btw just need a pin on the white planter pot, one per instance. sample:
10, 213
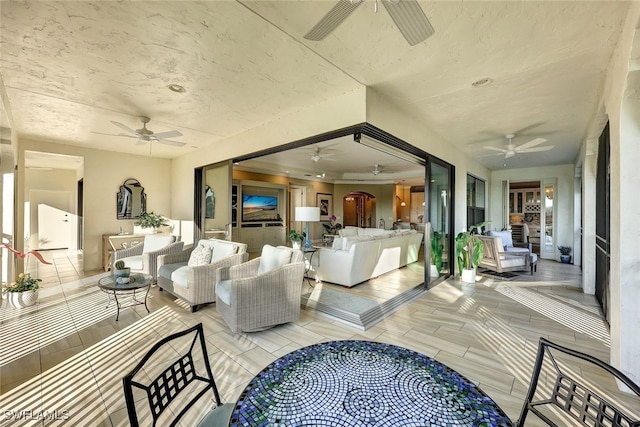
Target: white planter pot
433, 272
295, 245
140, 230
468, 276
22, 299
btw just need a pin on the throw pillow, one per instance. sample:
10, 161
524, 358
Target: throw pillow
222, 250
272, 258
201, 255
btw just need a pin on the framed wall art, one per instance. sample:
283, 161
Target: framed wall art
325, 202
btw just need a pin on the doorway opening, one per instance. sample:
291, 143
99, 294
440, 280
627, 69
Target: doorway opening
359, 209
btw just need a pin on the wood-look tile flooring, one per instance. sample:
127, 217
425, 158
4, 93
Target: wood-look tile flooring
68, 354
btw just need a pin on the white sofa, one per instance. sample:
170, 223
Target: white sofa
362, 253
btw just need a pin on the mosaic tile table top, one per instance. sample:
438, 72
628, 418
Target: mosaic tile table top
362, 383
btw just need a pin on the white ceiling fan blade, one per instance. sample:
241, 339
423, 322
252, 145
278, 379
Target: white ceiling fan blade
332, 19
410, 20
537, 149
168, 134
141, 141
124, 127
502, 150
532, 143
169, 142
115, 134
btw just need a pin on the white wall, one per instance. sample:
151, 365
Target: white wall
326, 116
384, 114
563, 198
104, 172
623, 110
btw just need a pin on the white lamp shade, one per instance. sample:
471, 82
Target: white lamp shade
309, 214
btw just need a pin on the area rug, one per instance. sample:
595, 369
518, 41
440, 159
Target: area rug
359, 312
506, 275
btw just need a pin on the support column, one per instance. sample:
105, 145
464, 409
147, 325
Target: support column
589, 169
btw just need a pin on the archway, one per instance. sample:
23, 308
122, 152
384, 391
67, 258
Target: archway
359, 209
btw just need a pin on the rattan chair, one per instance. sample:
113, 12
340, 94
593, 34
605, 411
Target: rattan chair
190, 372
143, 258
251, 301
573, 397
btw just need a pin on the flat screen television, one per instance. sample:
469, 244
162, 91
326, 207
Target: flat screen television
259, 208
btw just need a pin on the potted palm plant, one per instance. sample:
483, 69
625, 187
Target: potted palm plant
437, 249
470, 251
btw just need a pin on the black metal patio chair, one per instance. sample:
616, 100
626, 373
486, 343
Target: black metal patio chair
187, 373
573, 397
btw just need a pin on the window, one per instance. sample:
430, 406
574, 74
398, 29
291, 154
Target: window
475, 200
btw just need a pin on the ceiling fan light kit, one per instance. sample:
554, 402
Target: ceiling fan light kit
406, 14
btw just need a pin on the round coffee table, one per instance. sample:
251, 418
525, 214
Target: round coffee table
138, 283
355, 383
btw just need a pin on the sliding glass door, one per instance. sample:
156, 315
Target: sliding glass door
213, 206
439, 211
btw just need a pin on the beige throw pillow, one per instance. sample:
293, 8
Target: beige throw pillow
201, 255
272, 258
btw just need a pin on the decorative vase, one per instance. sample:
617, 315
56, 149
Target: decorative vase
468, 275
125, 272
565, 259
22, 299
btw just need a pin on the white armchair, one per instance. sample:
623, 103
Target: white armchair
263, 292
191, 275
143, 258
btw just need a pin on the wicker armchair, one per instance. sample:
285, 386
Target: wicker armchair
196, 284
143, 258
251, 301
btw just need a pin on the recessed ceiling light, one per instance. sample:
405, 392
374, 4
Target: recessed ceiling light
177, 88
482, 82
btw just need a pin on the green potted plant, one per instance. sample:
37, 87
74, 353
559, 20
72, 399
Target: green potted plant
121, 271
149, 222
565, 254
437, 249
296, 238
469, 252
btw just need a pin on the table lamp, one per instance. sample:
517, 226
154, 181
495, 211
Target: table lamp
307, 214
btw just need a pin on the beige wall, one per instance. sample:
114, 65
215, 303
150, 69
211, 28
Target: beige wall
104, 172
55, 180
622, 108
384, 114
325, 116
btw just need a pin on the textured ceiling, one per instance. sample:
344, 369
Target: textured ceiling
70, 68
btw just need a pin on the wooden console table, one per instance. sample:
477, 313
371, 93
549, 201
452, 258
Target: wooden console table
113, 242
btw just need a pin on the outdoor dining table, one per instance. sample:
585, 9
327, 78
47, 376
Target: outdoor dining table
362, 383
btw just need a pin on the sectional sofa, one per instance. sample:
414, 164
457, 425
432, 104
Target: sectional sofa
360, 254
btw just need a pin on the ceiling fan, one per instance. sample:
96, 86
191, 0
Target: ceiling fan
407, 15
316, 156
145, 135
527, 147
376, 169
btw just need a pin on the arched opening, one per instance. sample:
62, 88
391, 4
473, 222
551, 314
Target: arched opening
359, 209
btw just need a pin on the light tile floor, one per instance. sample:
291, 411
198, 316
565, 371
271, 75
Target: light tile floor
65, 357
